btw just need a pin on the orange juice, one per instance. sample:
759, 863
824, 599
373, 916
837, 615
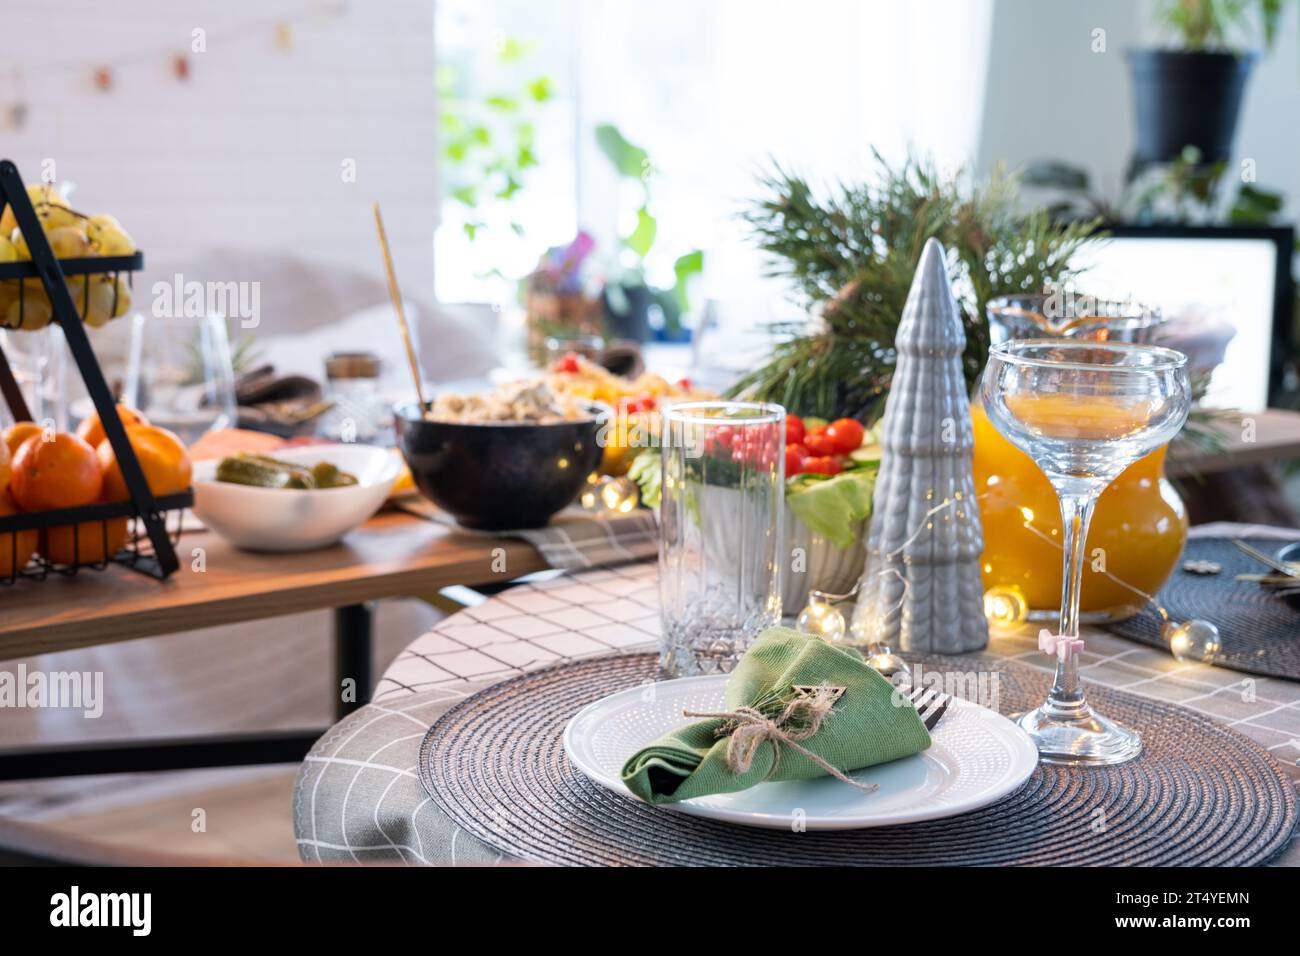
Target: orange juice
1066, 417
1140, 524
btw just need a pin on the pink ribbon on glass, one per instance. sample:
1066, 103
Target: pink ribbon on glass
1058, 644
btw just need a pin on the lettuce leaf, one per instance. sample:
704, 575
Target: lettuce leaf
645, 470
831, 507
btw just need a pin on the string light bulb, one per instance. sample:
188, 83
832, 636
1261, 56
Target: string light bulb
1194, 640
612, 495
822, 619
620, 495
1006, 607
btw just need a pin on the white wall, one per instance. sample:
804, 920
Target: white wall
1050, 96
1270, 123
249, 151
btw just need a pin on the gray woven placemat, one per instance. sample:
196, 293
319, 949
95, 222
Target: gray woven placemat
1199, 795
1260, 632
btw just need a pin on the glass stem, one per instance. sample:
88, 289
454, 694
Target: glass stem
1066, 699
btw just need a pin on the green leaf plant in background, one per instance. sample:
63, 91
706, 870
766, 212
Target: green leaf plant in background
1185, 190
1221, 24
488, 141
632, 162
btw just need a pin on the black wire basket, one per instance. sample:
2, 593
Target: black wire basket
140, 532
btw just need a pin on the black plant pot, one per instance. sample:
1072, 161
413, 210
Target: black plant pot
1187, 99
634, 323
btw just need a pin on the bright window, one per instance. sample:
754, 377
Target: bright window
713, 90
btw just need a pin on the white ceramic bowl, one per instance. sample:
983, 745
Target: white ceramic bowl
287, 519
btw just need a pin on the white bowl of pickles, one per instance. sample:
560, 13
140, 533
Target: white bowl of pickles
298, 499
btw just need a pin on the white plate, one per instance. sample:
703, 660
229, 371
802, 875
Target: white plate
976, 757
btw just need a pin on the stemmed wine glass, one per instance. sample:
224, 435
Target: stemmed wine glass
1083, 411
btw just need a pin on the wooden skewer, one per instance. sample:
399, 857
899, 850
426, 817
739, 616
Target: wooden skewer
396, 295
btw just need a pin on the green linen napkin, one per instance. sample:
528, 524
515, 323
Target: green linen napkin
866, 726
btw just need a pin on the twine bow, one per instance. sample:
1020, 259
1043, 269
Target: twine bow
800, 718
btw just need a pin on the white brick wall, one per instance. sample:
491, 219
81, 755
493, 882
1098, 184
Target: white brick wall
248, 151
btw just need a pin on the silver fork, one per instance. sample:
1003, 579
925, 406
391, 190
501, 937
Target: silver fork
1266, 559
930, 704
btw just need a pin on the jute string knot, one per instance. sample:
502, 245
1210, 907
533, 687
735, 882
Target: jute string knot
801, 717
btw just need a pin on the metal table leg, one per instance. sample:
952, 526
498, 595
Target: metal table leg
353, 656
354, 662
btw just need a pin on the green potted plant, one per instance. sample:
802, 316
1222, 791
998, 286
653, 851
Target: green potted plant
628, 296
1190, 94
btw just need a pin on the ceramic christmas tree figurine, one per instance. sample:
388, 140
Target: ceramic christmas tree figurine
921, 589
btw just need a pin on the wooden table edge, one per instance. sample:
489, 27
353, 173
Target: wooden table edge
53, 635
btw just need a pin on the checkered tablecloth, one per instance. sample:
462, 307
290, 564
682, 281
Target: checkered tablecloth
573, 539
358, 797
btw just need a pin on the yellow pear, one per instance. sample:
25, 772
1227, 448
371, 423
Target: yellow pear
123, 294
69, 242
107, 237
38, 194
7, 251
20, 246
109, 298
29, 315
77, 290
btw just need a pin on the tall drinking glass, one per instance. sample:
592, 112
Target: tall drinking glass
720, 531
180, 375
1083, 411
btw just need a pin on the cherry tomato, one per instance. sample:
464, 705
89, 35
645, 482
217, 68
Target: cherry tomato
818, 443
794, 456
568, 363
845, 434
794, 430
823, 465
684, 384
723, 436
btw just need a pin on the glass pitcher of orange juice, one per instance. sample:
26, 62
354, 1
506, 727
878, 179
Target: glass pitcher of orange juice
1140, 525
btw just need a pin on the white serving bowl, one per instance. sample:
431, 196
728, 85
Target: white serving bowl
290, 519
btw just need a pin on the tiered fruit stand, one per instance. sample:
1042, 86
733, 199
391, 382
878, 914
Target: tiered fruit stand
152, 552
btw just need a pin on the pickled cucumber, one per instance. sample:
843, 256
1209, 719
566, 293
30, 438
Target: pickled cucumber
263, 471
329, 476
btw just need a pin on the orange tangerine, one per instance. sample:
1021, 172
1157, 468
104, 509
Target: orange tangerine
87, 542
163, 458
60, 473
91, 430
16, 547
15, 435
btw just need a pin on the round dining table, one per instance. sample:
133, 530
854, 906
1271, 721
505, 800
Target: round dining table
359, 798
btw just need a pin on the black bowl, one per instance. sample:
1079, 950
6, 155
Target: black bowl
499, 476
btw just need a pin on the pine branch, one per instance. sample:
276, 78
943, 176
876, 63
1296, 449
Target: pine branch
851, 256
